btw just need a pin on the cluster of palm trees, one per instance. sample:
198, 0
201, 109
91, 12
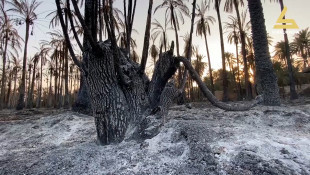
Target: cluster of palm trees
22, 80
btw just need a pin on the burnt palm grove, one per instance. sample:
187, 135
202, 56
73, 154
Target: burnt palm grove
89, 60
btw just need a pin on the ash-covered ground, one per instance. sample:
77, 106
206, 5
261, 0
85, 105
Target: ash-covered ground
200, 140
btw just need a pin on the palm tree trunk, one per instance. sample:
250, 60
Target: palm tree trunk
266, 78
293, 93
12, 100
50, 91
56, 81
243, 50
41, 84
209, 60
9, 89
189, 49
100, 20
146, 38
177, 43
66, 57
21, 99
225, 82
3, 79
165, 41
238, 72
231, 66
30, 96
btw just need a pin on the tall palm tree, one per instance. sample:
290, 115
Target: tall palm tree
69, 17
225, 81
233, 38
280, 51
175, 11
293, 93
301, 45
229, 6
26, 11
203, 28
10, 46
267, 80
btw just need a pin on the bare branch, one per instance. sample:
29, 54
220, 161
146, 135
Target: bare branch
73, 28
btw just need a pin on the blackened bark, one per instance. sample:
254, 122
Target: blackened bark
121, 98
267, 79
165, 68
82, 103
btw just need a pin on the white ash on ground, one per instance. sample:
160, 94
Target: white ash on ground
200, 140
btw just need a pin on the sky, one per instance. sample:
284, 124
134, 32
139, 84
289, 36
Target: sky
297, 10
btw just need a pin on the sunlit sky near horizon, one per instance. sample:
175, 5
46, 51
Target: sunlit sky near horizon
297, 10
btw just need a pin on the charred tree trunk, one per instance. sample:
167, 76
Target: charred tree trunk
120, 95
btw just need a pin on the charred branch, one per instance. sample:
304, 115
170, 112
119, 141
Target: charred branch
146, 38
87, 32
208, 94
73, 28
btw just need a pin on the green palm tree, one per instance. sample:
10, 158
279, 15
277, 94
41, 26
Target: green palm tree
26, 13
280, 51
266, 78
301, 45
203, 28
293, 93
175, 11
